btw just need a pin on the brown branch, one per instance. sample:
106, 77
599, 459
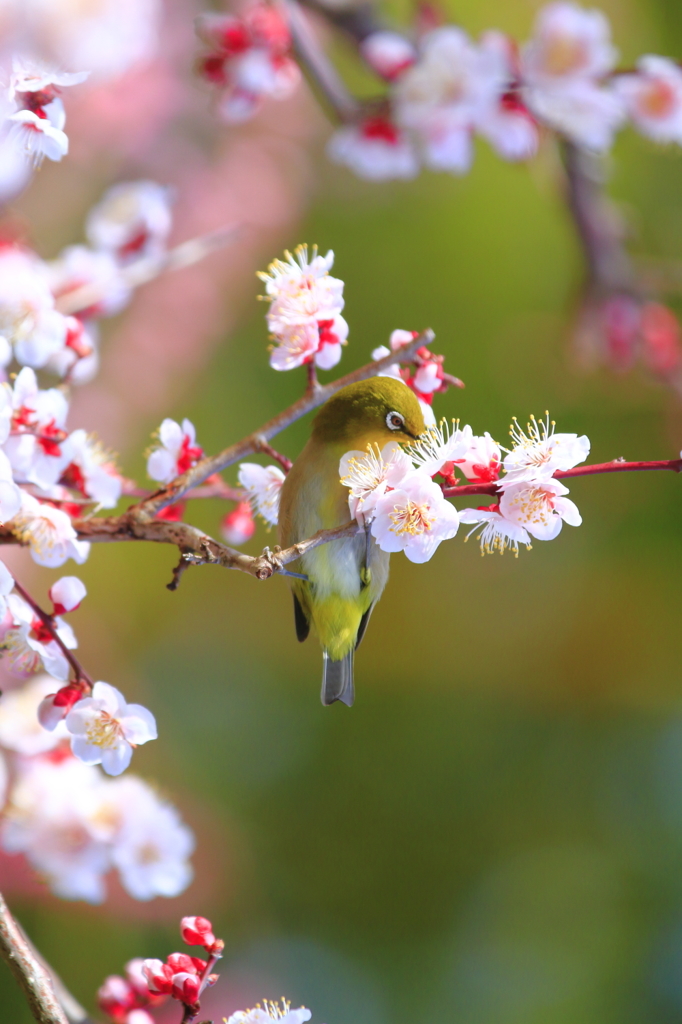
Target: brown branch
49, 624
206, 467
146, 269
33, 978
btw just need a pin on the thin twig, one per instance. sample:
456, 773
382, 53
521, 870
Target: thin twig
49, 624
318, 69
33, 978
146, 269
191, 1012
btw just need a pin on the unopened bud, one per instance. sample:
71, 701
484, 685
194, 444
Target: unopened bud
197, 931
115, 996
184, 962
185, 987
136, 977
56, 706
159, 976
66, 594
238, 526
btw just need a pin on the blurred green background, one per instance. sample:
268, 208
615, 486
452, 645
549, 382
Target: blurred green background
493, 834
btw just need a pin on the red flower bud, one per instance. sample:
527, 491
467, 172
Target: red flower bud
186, 987
159, 976
116, 997
197, 931
184, 962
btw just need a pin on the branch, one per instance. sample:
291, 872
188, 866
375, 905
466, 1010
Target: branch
206, 467
75, 1013
144, 270
33, 978
617, 466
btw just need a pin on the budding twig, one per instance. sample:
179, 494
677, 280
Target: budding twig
146, 269
34, 980
318, 69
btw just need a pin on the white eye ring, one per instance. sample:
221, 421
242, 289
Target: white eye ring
395, 420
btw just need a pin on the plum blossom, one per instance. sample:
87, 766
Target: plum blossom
152, 845
653, 98
305, 310
78, 266
481, 461
445, 93
414, 518
20, 729
116, 997
428, 374
29, 645
238, 526
561, 68
49, 819
389, 54
249, 59
506, 122
32, 76
48, 532
177, 452
266, 1012
133, 219
440, 447
197, 931
105, 729
263, 485
370, 474
54, 707
376, 149
497, 533
38, 422
159, 976
540, 507
538, 453
90, 470
29, 324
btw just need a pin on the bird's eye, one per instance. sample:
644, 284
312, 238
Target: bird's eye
395, 421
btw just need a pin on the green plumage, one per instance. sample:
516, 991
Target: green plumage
345, 577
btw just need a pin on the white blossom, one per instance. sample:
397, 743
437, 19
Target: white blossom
414, 518
104, 728
497, 533
388, 53
133, 219
263, 485
561, 68
39, 137
33, 76
267, 1011
505, 122
176, 453
440, 445
29, 646
67, 594
539, 507
20, 729
375, 149
34, 446
653, 98
370, 474
78, 266
29, 323
90, 470
152, 845
538, 452
48, 532
481, 461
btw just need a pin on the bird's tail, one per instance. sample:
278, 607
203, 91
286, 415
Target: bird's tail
337, 679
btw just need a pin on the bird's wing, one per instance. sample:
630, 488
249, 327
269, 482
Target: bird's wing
302, 621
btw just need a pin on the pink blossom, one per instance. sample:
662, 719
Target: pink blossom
116, 996
20, 729
54, 707
370, 474
132, 220
539, 507
159, 976
238, 526
653, 98
185, 987
376, 149
538, 452
414, 518
389, 54
482, 459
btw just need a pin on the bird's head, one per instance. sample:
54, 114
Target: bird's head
379, 410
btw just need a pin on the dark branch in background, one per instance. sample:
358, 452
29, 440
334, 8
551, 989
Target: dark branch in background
321, 74
34, 980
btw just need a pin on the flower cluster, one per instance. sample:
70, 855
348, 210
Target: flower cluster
31, 121
304, 316
49, 310
425, 377
249, 59
72, 823
392, 492
451, 88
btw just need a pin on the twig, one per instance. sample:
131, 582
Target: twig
264, 448
33, 978
48, 622
318, 69
144, 270
206, 467
191, 1012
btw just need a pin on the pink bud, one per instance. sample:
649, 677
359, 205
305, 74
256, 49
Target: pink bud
238, 525
56, 706
186, 987
159, 976
197, 931
115, 996
184, 962
136, 977
66, 594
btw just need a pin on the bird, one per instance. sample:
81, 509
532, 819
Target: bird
344, 578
